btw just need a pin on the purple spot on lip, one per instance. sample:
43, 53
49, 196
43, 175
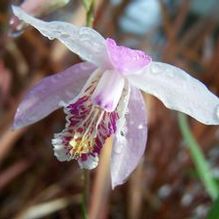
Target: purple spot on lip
108, 106
84, 157
98, 100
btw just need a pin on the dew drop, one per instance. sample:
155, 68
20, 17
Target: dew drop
156, 69
140, 126
50, 38
170, 74
217, 111
121, 142
118, 148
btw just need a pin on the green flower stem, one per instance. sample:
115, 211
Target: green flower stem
89, 7
85, 194
90, 16
198, 158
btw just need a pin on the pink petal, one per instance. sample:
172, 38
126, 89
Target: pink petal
108, 91
125, 158
124, 59
45, 97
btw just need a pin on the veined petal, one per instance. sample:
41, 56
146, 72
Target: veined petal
178, 91
108, 91
126, 60
128, 149
84, 41
45, 97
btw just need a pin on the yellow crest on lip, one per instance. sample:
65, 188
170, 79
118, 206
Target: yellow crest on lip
80, 145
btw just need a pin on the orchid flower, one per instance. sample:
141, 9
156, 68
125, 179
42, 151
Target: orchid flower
101, 97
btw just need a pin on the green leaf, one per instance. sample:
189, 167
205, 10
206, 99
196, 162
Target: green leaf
198, 158
87, 4
213, 213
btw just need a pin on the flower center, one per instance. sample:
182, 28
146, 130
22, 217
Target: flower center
87, 128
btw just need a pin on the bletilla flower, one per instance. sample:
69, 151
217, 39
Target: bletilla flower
101, 98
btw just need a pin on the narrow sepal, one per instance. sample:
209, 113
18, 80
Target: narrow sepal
45, 97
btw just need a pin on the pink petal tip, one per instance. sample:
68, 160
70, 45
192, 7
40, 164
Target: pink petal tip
124, 59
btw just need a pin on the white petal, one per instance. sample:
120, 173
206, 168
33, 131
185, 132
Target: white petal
178, 91
129, 148
91, 162
60, 152
108, 91
84, 41
122, 109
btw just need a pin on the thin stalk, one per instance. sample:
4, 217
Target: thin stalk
198, 158
90, 16
85, 194
89, 7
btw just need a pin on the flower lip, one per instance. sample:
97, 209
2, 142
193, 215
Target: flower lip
125, 60
87, 128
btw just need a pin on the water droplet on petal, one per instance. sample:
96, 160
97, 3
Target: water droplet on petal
156, 69
121, 142
170, 74
118, 149
50, 38
140, 126
217, 111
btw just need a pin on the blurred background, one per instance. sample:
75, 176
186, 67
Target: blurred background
172, 180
